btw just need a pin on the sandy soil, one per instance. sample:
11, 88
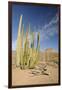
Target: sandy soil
25, 77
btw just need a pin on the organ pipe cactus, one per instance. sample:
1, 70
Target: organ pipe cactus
27, 56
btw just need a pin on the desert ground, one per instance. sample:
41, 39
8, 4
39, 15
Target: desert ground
44, 73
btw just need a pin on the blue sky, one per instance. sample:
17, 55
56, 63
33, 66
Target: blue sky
43, 19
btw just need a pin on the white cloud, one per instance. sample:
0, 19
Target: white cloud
53, 21
50, 28
14, 45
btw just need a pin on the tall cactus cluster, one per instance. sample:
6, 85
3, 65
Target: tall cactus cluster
27, 56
